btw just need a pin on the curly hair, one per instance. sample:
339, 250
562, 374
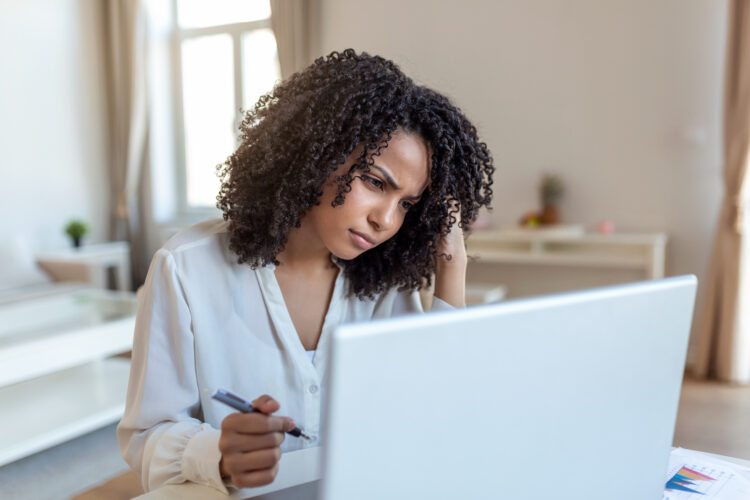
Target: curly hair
305, 128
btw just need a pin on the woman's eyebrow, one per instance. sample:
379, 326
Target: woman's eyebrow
392, 182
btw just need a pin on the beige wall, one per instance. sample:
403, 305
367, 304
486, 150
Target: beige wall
620, 97
52, 120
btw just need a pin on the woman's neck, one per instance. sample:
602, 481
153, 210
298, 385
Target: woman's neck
305, 252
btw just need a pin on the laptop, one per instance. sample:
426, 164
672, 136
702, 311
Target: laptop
568, 396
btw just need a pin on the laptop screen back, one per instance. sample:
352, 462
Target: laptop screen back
571, 396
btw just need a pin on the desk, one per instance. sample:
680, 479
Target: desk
89, 263
289, 484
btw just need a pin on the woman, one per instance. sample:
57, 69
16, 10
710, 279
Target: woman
346, 195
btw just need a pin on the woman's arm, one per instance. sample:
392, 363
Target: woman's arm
450, 275
159, 435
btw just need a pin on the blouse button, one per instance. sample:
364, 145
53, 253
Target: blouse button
313, 389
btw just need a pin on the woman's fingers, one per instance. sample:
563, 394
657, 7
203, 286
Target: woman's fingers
266, 404
255, 423
250, 443
254, 468
256, 477
242, 443
257, 460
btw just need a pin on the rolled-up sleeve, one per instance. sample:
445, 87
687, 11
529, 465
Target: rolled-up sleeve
160, 434
441, 305
397, 303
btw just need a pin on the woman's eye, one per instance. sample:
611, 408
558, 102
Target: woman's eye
406, 205
375, 182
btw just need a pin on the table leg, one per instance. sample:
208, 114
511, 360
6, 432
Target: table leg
124, 279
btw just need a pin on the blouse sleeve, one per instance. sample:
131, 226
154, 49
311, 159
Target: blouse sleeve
404, 302
440, 305
160, 434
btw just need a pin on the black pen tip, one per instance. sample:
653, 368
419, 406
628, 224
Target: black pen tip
297, 432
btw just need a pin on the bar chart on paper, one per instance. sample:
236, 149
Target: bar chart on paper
689, 480
692, 478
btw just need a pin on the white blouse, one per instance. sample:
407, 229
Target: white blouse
206, 322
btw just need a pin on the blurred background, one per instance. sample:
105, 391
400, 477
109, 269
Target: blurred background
616, 115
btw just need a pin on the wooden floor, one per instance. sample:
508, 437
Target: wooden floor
712, 417
122, 487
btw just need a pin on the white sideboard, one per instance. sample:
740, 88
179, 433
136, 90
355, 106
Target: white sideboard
645, 252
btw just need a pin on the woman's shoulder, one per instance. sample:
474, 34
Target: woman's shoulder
206, 241
201, 234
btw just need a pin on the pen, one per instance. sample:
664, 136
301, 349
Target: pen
240, 404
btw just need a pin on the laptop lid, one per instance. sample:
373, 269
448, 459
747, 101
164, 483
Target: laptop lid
568, 396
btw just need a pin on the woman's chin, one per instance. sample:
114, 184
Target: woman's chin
347, 253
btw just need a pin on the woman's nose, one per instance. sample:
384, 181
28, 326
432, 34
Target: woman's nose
384, 218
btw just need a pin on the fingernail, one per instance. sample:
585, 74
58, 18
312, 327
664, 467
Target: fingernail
290, 425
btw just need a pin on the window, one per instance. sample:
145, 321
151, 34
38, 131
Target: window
225, 59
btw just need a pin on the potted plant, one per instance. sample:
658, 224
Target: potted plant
76, 229
550, 190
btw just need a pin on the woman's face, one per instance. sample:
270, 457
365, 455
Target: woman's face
374, 209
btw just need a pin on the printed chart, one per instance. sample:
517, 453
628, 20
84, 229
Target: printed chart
694, 480
688, 480
693, 477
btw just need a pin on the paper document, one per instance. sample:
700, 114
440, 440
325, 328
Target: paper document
693, 475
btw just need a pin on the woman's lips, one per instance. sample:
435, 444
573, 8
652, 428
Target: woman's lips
361, 241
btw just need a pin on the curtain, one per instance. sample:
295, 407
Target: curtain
124, 23
295, 25
723, 349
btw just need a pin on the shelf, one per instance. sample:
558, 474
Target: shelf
560, 259
49, 410
45, 335
528, 236
644, 252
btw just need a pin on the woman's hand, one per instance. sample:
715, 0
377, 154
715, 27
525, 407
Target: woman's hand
450, 273
250, 444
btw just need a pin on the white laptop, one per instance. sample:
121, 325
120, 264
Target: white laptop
570, 396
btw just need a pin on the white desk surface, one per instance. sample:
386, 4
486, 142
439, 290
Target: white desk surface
297, 472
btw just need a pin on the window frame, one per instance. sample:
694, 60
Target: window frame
235, 31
